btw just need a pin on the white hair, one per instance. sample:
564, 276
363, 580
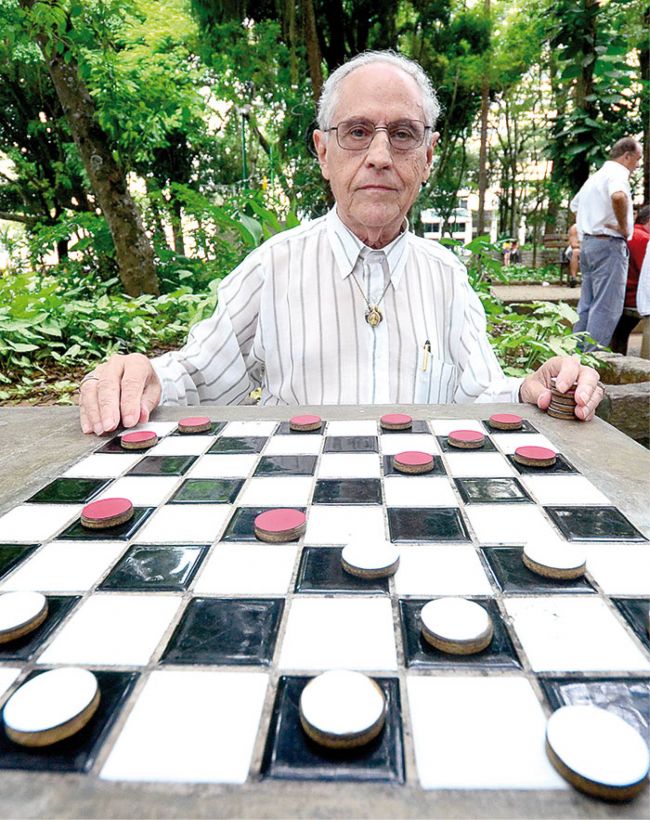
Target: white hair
330, 92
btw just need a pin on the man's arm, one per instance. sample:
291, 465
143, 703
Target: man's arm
483, 380
620, 207
218, 364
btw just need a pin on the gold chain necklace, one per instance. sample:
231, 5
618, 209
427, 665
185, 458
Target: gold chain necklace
373, 315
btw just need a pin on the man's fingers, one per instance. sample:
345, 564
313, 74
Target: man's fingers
568, 373
150, 397
588, 382
136, 379
90, 407
108, 392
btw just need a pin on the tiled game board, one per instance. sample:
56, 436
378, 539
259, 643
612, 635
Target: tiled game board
203, 637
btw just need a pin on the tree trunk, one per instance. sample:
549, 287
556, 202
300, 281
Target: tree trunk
314, 57
584, 90
482, 156
177, 227
133, 249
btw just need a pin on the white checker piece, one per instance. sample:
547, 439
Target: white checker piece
402, 442
479, 733
103, 465
142, 491
188, 445
339, 633
211, 742
417, 491
329, 524
113, 630
50, 699
564, 633
478, 465
620, 571
247, 429
508, 523
247, 569
223, 466
443, 427
36, 522
563, 490
277, 491
295, 445
508, 442
349, 465
65, 566
185, 524
440, 569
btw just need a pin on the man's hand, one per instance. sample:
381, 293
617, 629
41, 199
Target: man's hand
567, 370
125, 389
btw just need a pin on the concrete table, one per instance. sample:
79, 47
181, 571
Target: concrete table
37, 444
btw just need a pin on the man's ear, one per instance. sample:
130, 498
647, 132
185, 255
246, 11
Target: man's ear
429, 157
320, 144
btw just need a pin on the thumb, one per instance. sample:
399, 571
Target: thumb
535, 392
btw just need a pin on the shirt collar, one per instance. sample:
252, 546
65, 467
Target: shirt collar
347, 247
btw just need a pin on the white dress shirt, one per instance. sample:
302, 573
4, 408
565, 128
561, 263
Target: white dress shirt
291, 319
593, 202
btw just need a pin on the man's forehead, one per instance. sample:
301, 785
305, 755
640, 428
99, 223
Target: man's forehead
378, 90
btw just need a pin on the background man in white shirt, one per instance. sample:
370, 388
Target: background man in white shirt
349, 308
605, 222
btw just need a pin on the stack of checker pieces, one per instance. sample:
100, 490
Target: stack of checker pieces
562, 405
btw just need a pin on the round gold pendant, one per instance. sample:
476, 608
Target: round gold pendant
373, 316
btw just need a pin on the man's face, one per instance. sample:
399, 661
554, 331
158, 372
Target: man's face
631, 159
375, 187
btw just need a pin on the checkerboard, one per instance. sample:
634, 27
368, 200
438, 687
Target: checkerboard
202, 637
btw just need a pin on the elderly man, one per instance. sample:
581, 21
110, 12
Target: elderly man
351, 308
604, 218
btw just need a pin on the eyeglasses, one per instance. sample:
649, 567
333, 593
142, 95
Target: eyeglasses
357, 134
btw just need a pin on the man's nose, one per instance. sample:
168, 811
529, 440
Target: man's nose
379, 151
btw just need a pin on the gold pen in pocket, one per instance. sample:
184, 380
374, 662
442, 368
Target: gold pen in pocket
427, 353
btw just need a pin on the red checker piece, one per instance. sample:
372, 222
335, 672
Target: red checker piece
414, 458
467, 435
506, 418
302, 421
137, 437
396, 418
280, 520
106, 508
533, 453
194, 421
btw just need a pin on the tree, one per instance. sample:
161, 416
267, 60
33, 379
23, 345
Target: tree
53, 28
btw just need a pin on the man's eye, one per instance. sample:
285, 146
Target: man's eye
358, 131
402, 134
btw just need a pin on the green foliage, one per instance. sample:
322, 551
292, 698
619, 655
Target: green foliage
521, 341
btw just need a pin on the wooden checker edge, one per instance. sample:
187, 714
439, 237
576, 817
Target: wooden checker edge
194, 424
280, 525
36, 610
531, 456
466, 439
138, 440
389, 568
453, 645
589, 785
106, 513
55, 734
396, 421
413, 462
506, 421
305, 424
556, 573
561, 415
349, 740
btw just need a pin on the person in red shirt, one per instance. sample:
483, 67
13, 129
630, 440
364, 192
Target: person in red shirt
637, 246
